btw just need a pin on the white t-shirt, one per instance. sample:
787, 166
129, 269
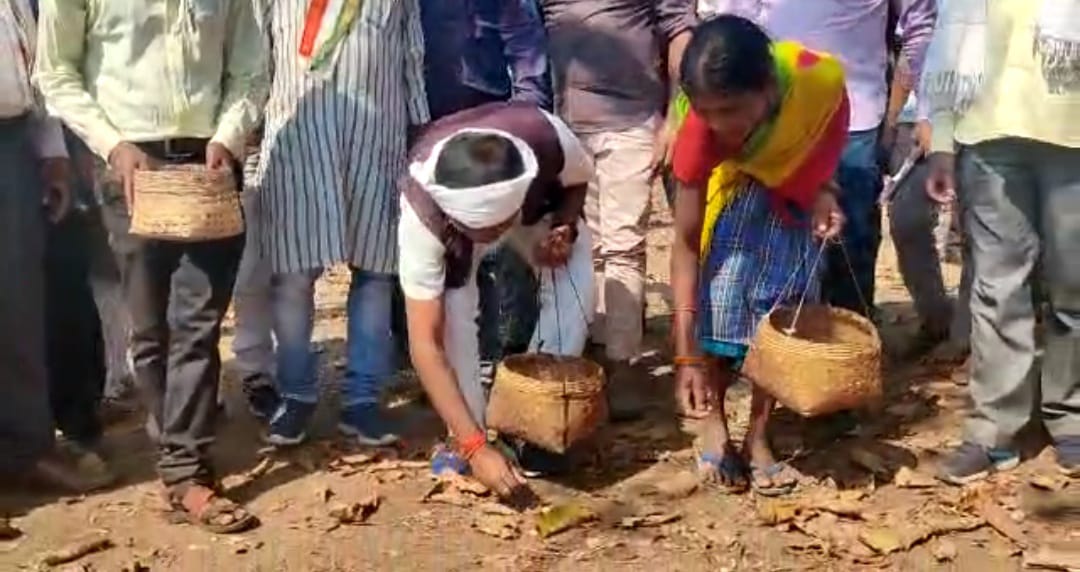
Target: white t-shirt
421, 262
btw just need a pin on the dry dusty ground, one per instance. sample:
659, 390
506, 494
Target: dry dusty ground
639, 470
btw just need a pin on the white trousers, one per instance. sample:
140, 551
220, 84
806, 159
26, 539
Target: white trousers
566, 309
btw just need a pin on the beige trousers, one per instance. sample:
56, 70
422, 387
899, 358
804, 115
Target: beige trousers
616, 210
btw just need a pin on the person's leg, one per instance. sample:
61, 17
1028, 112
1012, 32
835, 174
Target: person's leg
594, 143
1058, 172
623, 172
253, 343
998, 192
912, 218
76, 359
508, 307
370, 358
622, 177
292, 313
202, 287
719, 459
26, 425
860, 182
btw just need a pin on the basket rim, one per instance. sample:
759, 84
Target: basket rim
874, 336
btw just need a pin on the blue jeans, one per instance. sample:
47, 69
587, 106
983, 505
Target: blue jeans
860, 185
371, 349
289, 304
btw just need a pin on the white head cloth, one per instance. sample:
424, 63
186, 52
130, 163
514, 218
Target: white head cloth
478, 207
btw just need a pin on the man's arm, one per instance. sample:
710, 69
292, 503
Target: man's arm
525, 47
917, 19
61, 38
676, 19
245, 85
416, 95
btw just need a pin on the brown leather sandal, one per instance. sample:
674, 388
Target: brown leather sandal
197, 504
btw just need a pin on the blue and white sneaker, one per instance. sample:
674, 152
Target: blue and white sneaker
288, 425
970, 462
367, 424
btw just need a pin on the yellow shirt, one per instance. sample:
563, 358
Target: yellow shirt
144, 70
1014, 101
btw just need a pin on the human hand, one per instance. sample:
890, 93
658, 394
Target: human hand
218, 157
554, 250
827, 218
923, 131
694, 391
941, 180
492, 469
663, 148
124, 160
56, 194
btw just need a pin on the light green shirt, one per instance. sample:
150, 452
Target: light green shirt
145, 70
1015, 100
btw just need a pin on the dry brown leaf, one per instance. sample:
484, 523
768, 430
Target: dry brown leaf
93, 543
889, 539
1057, 556
882, 540
1000, 520
944, 550
648, 520
356, 512
679, 485
560, 518
499, 526
906, 478
773, 512
392, 476
1052, 483
357, 459
398, 465
497, 508
465, 484
1061, 505
452, 498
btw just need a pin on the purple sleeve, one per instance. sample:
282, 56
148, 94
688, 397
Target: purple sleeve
675, 17
917, 18
525, 46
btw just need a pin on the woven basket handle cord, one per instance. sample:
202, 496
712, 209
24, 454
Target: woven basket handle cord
790, 330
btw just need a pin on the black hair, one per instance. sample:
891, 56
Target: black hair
477, 159
727, 54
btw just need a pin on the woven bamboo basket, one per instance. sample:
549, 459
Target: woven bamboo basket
550, 401
830, 362
186, 203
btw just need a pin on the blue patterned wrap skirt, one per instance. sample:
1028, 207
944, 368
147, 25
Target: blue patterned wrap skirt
756, 261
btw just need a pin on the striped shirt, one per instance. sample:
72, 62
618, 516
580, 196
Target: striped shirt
334, 142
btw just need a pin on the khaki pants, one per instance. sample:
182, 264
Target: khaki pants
616, 210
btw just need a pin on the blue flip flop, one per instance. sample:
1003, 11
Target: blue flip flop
731, 468
1068, 455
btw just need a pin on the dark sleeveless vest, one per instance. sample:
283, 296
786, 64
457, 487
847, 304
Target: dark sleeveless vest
522, 120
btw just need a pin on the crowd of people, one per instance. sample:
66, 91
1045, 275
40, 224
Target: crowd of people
485, 169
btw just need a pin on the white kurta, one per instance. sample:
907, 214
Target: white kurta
335, 144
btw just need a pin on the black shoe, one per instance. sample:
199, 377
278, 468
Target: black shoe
536, 462
262, 397
626, 401
970, 462
367, 424
288, 426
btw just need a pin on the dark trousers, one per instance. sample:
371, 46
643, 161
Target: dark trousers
848, 281
177, 294
26, 426
74, 347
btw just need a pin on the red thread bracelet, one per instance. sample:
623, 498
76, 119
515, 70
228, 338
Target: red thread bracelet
471, 445
690, 360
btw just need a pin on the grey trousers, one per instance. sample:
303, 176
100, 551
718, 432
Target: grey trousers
177, 294
26, 426
915, 228
1021, 200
